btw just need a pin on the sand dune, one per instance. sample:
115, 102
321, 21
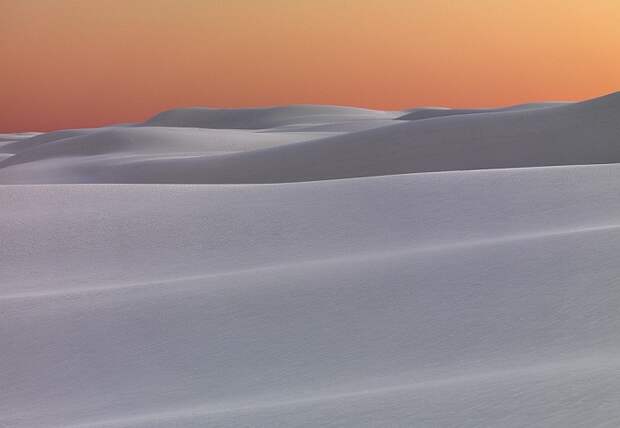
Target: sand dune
262, 118
527, 137
153, 141
314, 266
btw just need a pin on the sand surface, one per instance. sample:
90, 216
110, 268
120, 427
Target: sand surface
314, 266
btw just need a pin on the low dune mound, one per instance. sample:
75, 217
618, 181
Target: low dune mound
125, 143
263, 118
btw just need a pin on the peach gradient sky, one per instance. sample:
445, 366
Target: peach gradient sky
79, 63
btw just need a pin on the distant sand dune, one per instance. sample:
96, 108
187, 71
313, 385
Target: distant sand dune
262, 118
557, 134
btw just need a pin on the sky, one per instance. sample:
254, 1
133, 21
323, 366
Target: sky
81, 63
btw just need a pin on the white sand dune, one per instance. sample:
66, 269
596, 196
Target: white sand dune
554, 135
457, 271
263, 118
126, 142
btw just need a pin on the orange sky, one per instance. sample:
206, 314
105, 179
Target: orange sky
79, 63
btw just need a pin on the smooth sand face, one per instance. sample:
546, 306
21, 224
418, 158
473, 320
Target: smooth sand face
341, 267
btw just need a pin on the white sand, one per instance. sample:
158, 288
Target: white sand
369, 271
